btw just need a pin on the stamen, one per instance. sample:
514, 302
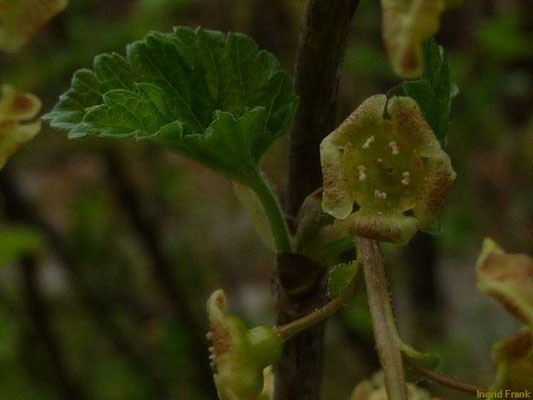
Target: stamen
380, 195
406, 178
361, 169
368, 142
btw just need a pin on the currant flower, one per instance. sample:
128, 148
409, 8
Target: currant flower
374, 389
406, 25
239, 355
509, 279
16, 106
385, 159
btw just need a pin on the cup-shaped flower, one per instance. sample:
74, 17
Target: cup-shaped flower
374, 389
15, 107
385, 159
21, 19
239, 355
509, 279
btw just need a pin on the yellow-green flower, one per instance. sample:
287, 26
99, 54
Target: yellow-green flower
374, 389
509, 279
20, 19
384, 159
16, 106
239, 355
406, 25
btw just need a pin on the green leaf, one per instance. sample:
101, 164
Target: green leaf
217, 99
340, 276
433, 91
18, 241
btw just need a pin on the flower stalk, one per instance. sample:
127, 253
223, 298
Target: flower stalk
291, 329
385, 331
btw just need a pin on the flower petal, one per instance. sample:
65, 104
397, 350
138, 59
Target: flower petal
508, 278
337, 197
16, 106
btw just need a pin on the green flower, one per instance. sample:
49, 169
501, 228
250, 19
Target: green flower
20, 19
509, 279
374, 389
15, 107
393, 168
406, 25
239, 355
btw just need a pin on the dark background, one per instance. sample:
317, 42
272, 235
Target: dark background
138, 237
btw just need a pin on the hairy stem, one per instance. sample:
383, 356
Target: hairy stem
385, 331
277, 222
293, 328
445, 380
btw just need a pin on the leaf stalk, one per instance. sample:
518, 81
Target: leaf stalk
278, 225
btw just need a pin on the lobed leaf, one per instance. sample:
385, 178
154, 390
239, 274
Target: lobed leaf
217, 99
15, 108
20, 19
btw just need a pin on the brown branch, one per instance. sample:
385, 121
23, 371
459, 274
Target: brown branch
19, 210
316, 80
448, 381
38, 311
321, 49
163, 271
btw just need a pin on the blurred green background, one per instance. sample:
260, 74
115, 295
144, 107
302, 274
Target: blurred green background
136, 238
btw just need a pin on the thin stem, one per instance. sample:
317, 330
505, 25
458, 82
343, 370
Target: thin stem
448, 381
277, 222
385, 331
287, 331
